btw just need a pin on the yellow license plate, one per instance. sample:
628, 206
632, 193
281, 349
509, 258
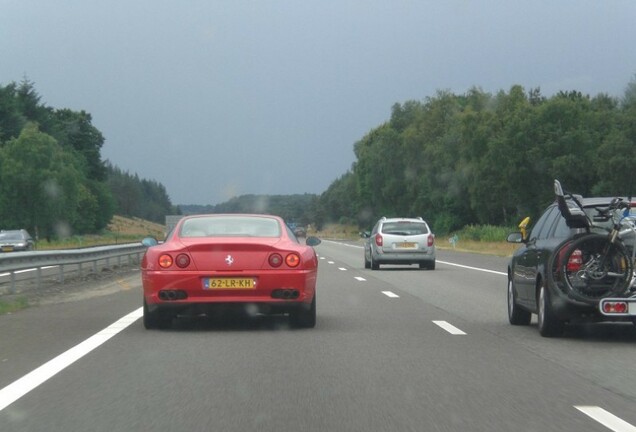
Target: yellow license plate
7, 248
406, 245
228, 283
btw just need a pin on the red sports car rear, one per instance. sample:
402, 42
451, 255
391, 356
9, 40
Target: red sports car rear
247, 261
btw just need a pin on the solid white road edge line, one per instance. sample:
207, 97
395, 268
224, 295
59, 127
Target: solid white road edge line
390, 294
24, 385
607, 419
449, 328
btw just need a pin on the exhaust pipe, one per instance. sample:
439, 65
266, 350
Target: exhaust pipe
286, 294
171, 295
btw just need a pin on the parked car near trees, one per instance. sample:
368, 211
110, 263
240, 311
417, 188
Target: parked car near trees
16, 240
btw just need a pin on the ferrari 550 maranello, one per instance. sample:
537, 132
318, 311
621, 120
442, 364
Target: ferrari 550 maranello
225, 260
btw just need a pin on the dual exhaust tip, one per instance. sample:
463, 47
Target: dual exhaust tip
286, 294
170, 295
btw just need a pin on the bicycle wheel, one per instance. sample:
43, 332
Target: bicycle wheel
592, 268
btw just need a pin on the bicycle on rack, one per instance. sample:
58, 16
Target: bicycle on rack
596, 266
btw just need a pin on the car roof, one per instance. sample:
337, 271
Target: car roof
418, 219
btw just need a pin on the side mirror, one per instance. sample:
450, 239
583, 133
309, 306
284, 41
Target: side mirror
365, 234
149, 241
312, 241
515, 237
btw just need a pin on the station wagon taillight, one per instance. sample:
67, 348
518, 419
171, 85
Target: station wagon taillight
378, 240
431, 240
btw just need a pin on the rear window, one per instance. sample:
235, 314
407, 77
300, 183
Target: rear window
11, 236
405, 228
235, 226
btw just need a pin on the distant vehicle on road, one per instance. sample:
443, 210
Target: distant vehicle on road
400, 241
16, 240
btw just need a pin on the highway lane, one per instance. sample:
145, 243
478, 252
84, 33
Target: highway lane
380, 358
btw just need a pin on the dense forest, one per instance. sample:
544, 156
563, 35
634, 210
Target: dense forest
479, 158
470, 159
300, 208
53, 181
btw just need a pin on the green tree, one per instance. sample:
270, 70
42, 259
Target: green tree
40, 185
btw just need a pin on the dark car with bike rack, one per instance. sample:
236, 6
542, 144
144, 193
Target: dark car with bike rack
576, 264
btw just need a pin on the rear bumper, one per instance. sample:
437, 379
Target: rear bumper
567, 309
271, 288
403, 257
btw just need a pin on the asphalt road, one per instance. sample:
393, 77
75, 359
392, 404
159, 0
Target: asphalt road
398, 349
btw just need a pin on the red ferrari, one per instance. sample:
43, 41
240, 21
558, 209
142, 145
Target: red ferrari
224, 260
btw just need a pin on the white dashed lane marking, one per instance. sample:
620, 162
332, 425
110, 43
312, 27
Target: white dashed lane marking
607, 419
390, 294
449, 328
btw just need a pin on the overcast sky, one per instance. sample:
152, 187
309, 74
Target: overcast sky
215, 99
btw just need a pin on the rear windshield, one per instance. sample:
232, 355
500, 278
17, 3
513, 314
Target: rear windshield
11, 236
230, 226
405, 228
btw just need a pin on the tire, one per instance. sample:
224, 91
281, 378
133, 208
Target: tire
427, 265
304, 316
549, 325
155, 319
516, 315
374, 264
591, 282
367, 264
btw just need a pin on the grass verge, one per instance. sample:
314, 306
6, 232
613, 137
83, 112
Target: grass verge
13, 305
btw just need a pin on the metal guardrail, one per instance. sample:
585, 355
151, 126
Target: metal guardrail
13, 262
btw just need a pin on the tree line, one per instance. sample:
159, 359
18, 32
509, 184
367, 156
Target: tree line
456, 160
479, 158
53, 181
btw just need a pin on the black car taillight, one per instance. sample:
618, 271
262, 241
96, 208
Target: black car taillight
575, 261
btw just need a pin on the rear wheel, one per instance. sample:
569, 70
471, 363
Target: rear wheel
549, 325
374, 264
155, 319
516, 315
305, 315
367, 264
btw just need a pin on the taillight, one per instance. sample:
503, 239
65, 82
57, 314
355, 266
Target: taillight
182, 260
165, 261
431, 240
617, 307
378, 240
275, 260
575, 261
292, 260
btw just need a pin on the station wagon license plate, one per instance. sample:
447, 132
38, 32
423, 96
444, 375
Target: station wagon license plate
406, 245
229, 283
